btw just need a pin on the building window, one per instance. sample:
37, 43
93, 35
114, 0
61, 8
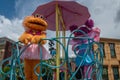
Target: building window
115, 72
105, 73
102, 46
112, 50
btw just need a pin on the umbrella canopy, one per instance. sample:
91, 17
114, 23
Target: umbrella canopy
71, 13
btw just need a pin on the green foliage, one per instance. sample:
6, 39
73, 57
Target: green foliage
6, 69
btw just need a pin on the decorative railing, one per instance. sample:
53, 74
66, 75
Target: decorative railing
13, 70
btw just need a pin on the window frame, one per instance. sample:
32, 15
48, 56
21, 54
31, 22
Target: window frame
115, 73
103, 48
105, 76
112, 50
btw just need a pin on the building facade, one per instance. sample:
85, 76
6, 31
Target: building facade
111, 61
5, 47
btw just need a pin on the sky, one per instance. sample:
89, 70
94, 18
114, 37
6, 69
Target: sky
105, 13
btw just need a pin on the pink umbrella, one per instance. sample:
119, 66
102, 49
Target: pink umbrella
71, 12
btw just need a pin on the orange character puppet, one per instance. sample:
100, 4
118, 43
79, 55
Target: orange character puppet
35, 27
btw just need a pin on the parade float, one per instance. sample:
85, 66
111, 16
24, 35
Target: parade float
61, 16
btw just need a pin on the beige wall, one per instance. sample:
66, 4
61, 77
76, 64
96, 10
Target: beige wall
107, 59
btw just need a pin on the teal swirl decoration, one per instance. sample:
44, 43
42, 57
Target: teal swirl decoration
15, 66
48, 67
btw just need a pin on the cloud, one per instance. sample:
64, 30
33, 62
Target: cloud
117, 17
10, 28
26, 7
103, 12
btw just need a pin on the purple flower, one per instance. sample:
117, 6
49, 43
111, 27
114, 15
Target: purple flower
89, 23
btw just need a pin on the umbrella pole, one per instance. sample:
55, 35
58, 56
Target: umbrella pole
57, 45
64, 42
63, 55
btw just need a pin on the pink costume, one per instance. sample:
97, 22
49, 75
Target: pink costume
33, 52
95, 34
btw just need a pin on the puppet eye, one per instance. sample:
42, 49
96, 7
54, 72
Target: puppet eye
41, 16
36, 15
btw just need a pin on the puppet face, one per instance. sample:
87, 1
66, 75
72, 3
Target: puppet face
86, 28
35, 23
